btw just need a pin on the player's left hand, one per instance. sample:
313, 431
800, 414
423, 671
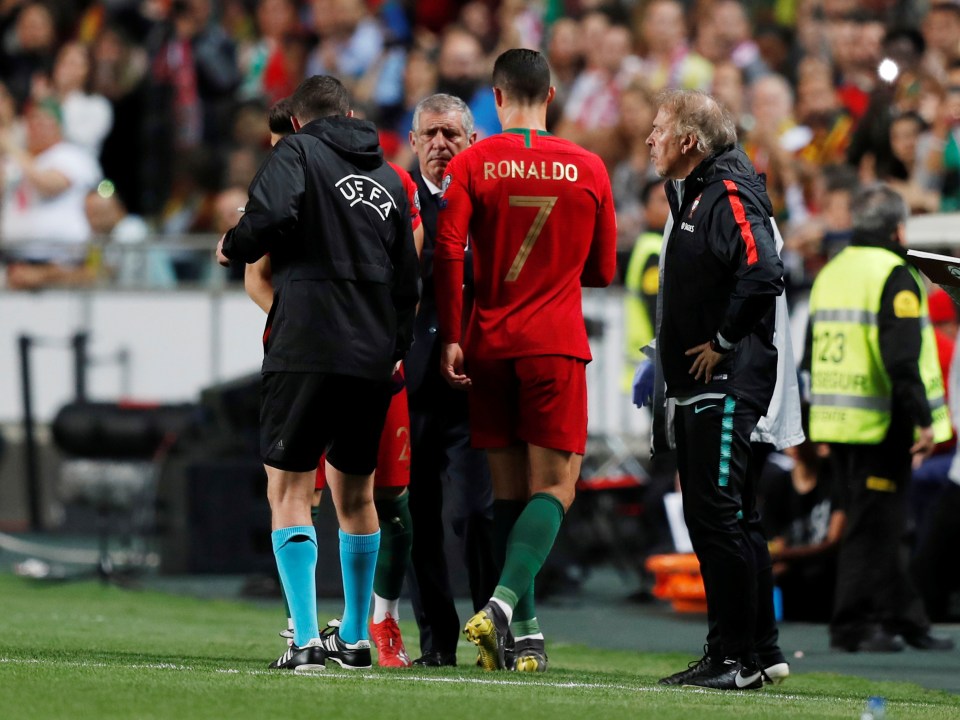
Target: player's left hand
704, 362
221, 258
451, 366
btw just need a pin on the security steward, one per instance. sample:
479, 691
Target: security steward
877, 397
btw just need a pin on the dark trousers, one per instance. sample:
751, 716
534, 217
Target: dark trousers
935, 566
447, 474
874, 587
713, 457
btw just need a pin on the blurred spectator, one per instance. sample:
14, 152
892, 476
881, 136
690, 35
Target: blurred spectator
29, 50
898, 92
351, 42
771, 143
819, 109
127, 257
263, 63
87, 117
120, 74
669, 62
633, 171
941, 155
735, 38
778, 49
43, 221
920, 189
593, 107
941, 31
462, 71
728, 89
565, 55
802, 514
810, 244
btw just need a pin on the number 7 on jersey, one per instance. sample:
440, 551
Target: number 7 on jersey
545, 203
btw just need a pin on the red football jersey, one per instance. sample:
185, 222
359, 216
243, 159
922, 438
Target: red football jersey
412, 195
539, 214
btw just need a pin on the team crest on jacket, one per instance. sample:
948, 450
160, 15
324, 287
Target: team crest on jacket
362, 189
696, 201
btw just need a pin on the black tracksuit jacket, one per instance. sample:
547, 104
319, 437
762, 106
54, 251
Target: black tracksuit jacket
335, 219
721, 273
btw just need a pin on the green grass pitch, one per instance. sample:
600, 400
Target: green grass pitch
83, 650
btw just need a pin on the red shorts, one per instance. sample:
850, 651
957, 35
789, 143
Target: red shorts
393, 458
540, 400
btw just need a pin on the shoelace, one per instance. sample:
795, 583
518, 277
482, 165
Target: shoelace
389, 630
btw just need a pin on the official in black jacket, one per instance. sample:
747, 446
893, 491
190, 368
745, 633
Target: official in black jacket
721, 275
334, 218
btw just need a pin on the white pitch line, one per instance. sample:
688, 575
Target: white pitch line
340, 674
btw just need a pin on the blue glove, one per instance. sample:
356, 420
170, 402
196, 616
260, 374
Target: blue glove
643, 383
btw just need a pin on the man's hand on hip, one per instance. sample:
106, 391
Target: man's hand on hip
705, 361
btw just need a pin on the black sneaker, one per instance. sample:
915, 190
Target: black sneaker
730, 674
928, 641
435, 658
355, 656
488, 630
308, 658
530, 655
695, 667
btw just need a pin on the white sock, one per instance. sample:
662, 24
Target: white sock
537, 636
289, 623
507, 610
383, 607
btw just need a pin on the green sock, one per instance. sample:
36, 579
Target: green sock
505, 516
525, 628
396, 539
530, 542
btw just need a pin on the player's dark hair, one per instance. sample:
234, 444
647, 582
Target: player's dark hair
523, 75
319, 96
279, 117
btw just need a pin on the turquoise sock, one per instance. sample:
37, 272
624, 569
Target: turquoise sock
296, 551
358, 562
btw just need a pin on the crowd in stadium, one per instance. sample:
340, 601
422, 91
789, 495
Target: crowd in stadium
183, 87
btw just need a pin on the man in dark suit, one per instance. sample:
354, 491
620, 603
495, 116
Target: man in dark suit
445, 471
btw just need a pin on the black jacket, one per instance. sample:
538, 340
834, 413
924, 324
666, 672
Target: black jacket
334, 218
721, 273
425, 385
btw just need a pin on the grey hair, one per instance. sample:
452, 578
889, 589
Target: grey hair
878, 209
695, 113
443, 103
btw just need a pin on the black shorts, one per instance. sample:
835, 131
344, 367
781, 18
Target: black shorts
303, 415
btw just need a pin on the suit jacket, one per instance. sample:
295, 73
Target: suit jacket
422, 364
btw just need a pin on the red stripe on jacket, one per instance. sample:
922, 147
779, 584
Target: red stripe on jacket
740, 216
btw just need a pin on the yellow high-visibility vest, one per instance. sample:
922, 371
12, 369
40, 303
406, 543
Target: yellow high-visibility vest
850, 388
639, 282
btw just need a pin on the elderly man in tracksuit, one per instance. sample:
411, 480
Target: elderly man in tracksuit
715, 343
